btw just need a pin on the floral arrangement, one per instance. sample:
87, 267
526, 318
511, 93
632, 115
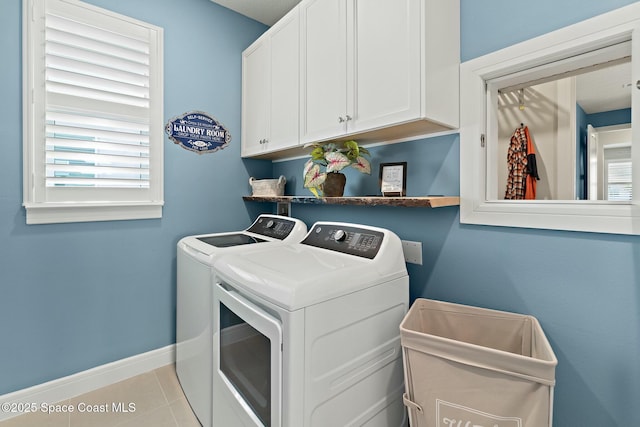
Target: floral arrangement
333, 157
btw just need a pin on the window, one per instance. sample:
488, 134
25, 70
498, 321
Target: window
92, 114
582, 187
618, 179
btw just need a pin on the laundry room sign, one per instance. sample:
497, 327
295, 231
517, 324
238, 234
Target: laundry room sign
198, 131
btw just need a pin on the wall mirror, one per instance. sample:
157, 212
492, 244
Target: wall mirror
576, 123
564, 102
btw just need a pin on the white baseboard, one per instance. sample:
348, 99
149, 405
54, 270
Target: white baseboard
92, 379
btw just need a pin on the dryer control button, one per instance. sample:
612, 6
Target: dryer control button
270, 224
340, 236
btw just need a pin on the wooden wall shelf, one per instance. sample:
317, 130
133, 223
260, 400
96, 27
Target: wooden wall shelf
410, 202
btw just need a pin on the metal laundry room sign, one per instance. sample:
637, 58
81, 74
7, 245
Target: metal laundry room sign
198, 131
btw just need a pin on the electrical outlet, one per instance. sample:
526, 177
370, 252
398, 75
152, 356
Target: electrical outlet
412, 251
284, 208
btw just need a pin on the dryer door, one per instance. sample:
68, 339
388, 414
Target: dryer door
248, 354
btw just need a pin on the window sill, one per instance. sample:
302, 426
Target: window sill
49, 213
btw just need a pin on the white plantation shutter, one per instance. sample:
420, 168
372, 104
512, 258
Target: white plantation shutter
83, 151
94, 141
619, 181
618, 178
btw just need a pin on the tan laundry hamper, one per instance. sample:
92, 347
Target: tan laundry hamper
472, 367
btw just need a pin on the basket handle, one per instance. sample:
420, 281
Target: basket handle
282, 180
251, 180
410, 404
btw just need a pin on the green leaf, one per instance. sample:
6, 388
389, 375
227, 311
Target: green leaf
317, 153
314, 190
353, 150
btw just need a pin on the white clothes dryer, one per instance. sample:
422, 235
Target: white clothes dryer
307, 334
195, 258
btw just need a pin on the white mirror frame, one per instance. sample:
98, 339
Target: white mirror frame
544, 52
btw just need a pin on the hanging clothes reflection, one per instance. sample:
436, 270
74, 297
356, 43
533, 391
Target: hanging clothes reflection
521, 166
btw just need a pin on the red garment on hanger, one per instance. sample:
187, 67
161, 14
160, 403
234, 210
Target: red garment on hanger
532, 177
521, 166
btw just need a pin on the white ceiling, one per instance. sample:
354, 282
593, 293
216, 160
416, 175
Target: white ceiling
606, 89
266, 11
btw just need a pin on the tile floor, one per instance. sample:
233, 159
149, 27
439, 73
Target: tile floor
156, 395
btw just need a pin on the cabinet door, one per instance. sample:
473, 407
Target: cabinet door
324, 55
285, 83
386, 63
255, 98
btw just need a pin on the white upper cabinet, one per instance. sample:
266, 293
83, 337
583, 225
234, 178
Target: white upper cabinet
378, 69
270, 89
323, 69
384, 67
371, 70
255, 97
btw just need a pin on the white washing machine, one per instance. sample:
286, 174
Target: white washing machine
307, 334
195, 258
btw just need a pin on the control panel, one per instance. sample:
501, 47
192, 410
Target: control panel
361, 242
277, 228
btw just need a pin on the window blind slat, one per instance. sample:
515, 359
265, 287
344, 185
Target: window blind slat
95, 107
96, 58
105, 123
75, 80
58, 23
79, 182
101, 160
109, 73
86, 93
89, 135
101, 172
72, 145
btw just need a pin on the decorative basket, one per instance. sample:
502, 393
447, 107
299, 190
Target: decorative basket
268, 187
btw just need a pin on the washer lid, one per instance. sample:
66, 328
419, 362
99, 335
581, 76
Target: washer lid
265, 229
227, 240
298, 275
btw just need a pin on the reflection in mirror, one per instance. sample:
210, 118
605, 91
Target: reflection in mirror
577, 127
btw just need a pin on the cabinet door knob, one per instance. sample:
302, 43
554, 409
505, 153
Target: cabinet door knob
348, 117
341, 119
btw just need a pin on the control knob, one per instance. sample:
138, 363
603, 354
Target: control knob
340, 236
270, 224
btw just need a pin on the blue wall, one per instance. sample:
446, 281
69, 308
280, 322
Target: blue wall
76, 296
583, 287
609, 118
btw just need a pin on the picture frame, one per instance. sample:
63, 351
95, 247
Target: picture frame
393, 179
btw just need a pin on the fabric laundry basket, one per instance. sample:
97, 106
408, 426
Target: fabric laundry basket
472, 367
267, 187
